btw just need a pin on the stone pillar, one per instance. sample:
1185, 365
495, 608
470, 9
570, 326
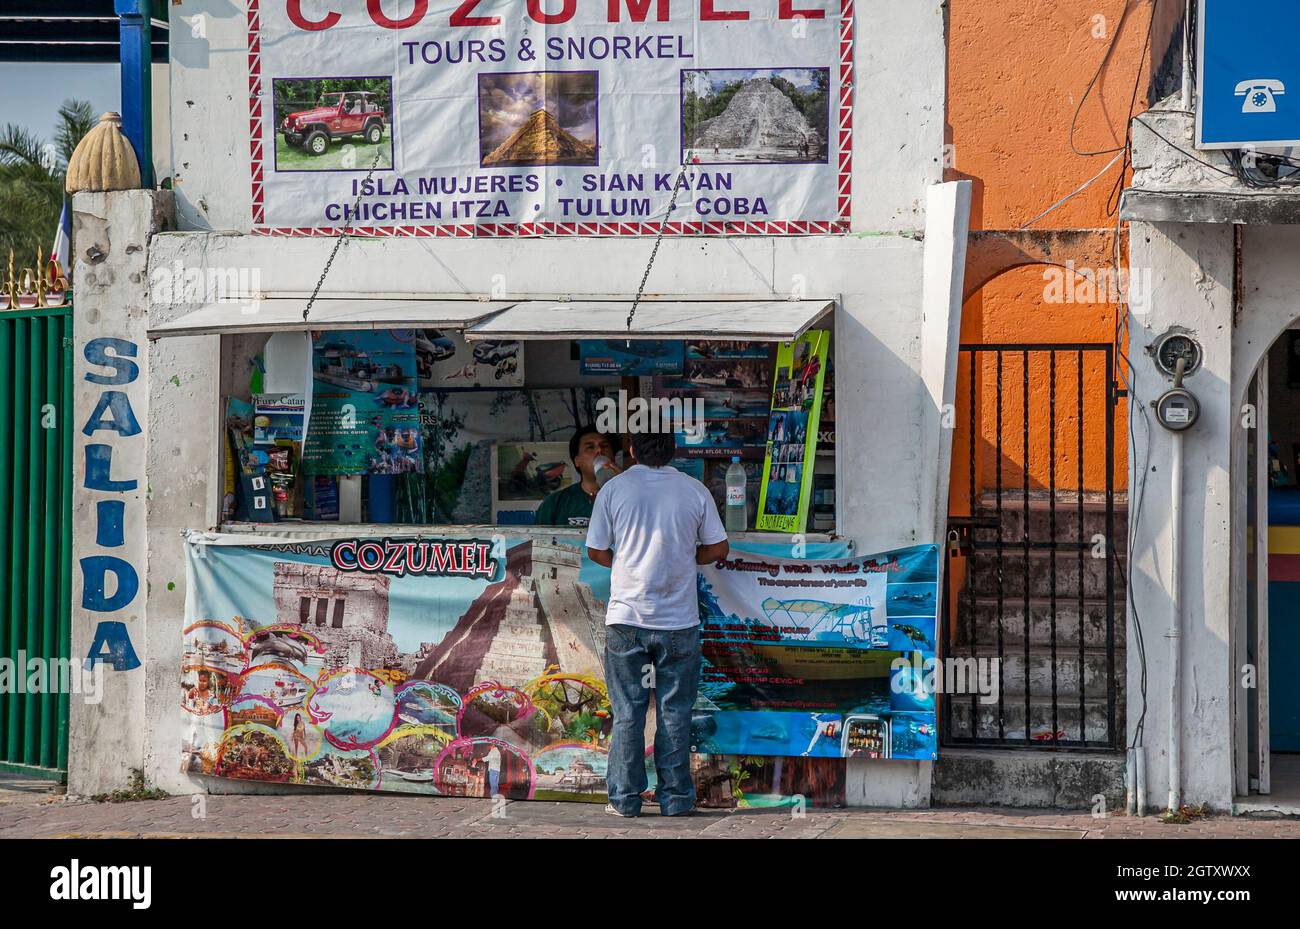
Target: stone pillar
111, 412
1191, 268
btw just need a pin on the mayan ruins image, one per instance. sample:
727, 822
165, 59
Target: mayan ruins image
539, 616
347, 612
541, 118
540, 141
763, 118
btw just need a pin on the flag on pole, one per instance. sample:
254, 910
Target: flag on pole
62, 238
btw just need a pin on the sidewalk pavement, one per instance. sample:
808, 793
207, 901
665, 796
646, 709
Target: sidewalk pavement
31, 809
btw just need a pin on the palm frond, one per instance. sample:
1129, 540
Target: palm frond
18, 146
76, 118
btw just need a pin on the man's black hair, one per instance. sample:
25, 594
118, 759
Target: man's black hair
654, 449
615, 441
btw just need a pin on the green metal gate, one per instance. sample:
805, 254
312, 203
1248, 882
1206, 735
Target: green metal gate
35, 534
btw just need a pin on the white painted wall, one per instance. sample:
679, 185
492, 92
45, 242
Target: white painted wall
1192, 272
1192, 287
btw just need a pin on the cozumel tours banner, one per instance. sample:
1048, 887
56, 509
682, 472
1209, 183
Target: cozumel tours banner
468, 666
551, 117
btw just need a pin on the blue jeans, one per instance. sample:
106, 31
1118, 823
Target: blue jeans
630, 655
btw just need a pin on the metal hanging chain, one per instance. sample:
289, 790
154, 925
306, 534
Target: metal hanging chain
356, 205
640, 291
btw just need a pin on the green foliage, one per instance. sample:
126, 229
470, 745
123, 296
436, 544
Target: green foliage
136, 789
811, 103
697, 109
32, 174
291, 158
292, 96
740, 773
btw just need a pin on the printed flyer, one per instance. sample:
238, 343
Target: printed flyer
630, 357
459, 666
443, 359
365, 415
797, 393
516, 119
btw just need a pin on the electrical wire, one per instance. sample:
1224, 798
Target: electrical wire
1123, 370
1184, 152
1096, 76
1068, 197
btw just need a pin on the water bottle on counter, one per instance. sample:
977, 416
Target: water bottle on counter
737, 504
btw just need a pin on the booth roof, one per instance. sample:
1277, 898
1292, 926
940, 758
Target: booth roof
755, 319
285, 314
759, 320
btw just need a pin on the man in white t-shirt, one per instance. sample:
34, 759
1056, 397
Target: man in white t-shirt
652, 525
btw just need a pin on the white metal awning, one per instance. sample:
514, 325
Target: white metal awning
284, 314
760, 320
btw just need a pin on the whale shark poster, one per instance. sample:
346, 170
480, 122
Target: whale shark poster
818, 658
461, 666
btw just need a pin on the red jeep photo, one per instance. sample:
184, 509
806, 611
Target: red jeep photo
339, 116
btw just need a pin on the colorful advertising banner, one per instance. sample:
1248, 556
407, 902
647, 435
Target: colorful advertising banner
365, 414
473, 666
792, 433
818, 658
582, 117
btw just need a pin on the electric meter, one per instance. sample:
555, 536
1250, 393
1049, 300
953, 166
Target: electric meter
1172, 347
1177, 410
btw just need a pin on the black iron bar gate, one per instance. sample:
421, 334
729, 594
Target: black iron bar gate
1035, 571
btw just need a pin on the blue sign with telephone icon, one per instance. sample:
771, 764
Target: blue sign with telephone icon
1248, 80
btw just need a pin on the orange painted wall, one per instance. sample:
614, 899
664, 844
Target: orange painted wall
1017, 71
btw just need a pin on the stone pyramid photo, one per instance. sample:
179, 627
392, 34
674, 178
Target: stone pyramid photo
541, 140
760, 124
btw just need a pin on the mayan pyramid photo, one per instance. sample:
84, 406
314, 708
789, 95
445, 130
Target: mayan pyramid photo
541, 141
761, 123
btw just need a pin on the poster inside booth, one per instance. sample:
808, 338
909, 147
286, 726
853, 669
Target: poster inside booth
473, 666
500, 117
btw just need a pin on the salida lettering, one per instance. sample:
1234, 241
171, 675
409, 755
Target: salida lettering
547, 12
400, 558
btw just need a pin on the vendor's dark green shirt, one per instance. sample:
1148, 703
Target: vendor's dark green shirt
568, 507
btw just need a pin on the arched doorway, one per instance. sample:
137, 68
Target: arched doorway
1267, 719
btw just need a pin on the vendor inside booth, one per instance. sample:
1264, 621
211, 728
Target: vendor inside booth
398, 595
467, 413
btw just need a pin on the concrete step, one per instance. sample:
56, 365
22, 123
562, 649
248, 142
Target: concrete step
985, 719
1039, 518
1036, 571
1012, 621
1094, 665
1062, 780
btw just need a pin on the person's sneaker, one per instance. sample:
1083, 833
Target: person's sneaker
609, 808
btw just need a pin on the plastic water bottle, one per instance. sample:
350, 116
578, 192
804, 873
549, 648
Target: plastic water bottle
603, 470
737, 505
